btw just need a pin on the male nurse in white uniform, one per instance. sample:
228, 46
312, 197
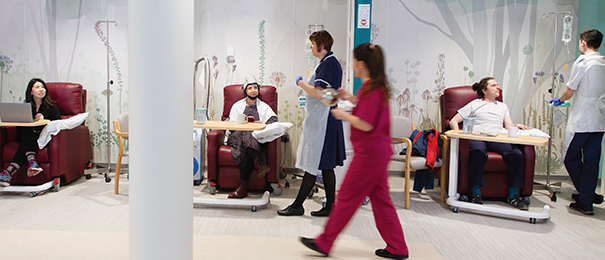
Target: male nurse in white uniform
586, 123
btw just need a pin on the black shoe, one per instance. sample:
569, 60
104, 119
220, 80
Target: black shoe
584, 209
323, 212
517, 202
310, 243
291, 211
477, 199
597, 199
386, 254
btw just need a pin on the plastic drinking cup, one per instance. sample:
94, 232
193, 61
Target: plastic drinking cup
200, 115
467, 125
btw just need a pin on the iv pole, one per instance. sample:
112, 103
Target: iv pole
553, 196
207, 75
109, 83
206, 82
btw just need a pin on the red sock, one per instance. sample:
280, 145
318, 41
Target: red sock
31, 156
12, 168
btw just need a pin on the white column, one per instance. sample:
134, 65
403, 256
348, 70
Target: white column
160, 43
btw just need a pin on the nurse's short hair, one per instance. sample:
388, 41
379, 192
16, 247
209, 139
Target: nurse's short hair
593, 38
324, 38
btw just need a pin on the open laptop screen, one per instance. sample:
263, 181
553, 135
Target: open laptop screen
16, 112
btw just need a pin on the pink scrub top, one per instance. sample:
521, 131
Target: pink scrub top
373, 146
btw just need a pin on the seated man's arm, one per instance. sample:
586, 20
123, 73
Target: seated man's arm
455, 121
509, 122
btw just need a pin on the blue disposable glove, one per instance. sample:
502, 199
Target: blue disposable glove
297, 79
556, 102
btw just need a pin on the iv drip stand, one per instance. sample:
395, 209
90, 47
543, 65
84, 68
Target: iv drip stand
206, 82
108, 93
553, 193
207, 75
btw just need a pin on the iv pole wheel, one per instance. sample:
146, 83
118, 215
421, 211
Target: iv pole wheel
553, 198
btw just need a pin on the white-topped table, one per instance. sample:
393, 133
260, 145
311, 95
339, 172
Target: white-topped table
453, 194
227, 125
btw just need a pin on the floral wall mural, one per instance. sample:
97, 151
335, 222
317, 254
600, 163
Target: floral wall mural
268, 39
453, 43
59, 41
430, 45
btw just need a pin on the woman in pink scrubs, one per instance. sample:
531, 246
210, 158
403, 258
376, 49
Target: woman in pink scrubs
367, 174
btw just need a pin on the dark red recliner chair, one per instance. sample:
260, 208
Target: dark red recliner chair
67, 153
495, 171
223, 171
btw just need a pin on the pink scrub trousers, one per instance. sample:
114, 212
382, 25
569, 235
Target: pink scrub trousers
365, 178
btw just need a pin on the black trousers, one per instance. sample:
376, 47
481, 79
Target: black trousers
28, 142
582, 163
478, 157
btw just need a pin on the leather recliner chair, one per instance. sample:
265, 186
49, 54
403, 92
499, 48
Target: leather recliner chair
495, 171
67, 154
223, 171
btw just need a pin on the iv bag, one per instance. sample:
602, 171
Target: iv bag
567, 29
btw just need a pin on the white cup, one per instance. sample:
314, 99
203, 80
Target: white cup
513, 131
241, 118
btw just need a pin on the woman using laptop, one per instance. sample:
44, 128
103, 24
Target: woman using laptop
43, 107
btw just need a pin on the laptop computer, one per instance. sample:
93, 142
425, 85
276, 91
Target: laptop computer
16, 112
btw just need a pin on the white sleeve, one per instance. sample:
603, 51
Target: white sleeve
577, 74
466, 110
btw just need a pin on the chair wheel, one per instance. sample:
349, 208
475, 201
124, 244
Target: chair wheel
463, 197
311, 194
553, 198
366, 201
287, 184
88, 176
56, 184
277, 190
211, 189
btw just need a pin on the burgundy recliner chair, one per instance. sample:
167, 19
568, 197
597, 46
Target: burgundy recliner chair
67, 153
495, 170
223, 171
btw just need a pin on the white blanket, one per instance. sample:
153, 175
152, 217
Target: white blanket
531, 132
54, 127
271, 132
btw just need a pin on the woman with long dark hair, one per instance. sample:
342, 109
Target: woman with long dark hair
43, 107
367, 175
